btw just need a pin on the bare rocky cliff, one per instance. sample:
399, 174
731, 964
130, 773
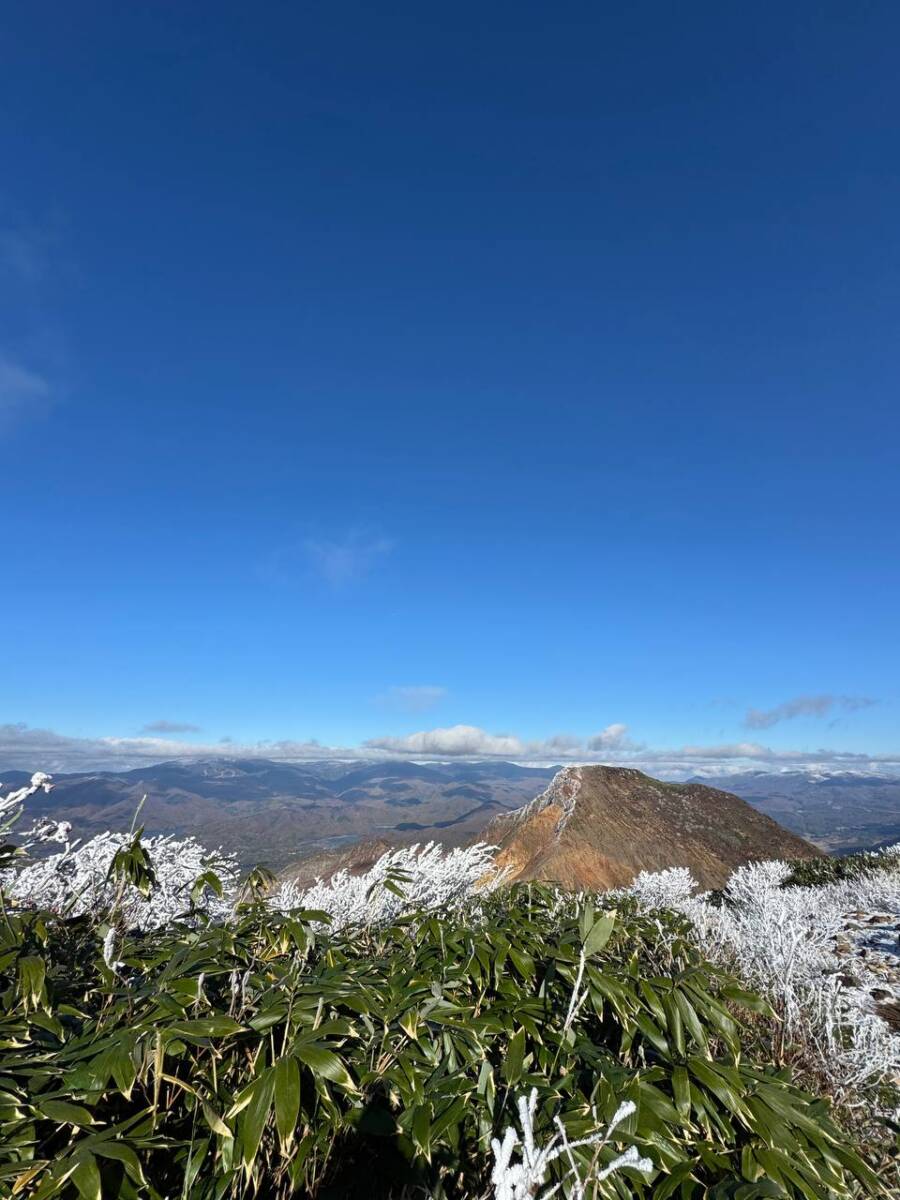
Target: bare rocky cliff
597, 827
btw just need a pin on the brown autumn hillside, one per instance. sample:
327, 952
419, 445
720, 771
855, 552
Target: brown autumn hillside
597, 827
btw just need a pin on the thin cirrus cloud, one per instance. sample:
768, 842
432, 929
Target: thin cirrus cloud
170, 727
23, 254
25, 386
804, 706
348, 559
20, 388
414, 698
338, 562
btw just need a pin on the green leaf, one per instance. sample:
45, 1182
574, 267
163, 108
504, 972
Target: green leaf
215, 1122
853, 1163
421, 1129
86, 1178
681, 1088
205, 1027
208, 879
600, 933
324, 1062
32, 972
514, 1061
123, 1070
586, 918
287, 1099
65, 1113
450, 1117
691, 1020
749, 1000
255, 1114
673, 1180
121, 1153
194, 1164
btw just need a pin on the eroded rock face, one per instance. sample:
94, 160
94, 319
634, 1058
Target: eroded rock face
597, 827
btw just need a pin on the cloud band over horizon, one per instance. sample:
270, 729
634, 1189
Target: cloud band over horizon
28, 749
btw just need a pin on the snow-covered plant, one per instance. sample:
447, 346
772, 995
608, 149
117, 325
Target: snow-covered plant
11, 806
521, 1177
84, 878
663, 889
411, 879
756, 882
813, 952
81, 880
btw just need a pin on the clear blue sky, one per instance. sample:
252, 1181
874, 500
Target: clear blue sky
366, 370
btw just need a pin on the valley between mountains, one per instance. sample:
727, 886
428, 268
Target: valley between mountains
319, 813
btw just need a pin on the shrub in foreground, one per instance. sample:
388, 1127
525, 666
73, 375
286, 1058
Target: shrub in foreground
267, 1057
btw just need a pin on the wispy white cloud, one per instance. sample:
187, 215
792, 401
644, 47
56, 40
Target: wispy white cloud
562, 745
804, 706
412, 699
348, 559
33, 355
23, 254
21, 746
164, 726
21, 389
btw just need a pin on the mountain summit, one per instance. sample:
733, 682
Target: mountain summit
597, 827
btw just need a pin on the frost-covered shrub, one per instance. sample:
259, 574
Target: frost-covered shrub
411, 879
663, 889
811, 951
78, 881
81, 878
11, 806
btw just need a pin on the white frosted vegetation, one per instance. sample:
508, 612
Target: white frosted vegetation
521, 1165
78, 881
411, 879
813, 952
663, 889
816, 953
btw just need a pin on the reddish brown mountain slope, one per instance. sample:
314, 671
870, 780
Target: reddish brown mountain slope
597, 827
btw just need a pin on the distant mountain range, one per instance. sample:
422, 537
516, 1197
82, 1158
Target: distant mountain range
280, 812
597, 827
840, 812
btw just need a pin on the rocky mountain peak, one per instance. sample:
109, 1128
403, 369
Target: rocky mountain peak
598, 826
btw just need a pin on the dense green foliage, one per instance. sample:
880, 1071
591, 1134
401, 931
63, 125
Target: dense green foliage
270, 1058
815, 872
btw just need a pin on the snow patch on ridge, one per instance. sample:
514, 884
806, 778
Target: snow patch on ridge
562, 792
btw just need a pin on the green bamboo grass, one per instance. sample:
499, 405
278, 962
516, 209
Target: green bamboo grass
269, 1058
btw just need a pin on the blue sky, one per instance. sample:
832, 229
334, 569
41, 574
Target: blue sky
366, 373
